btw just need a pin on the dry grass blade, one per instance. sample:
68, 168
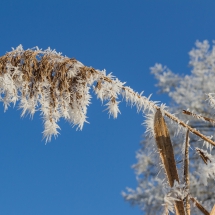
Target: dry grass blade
165, 149
213, 211
186, 172
200, 207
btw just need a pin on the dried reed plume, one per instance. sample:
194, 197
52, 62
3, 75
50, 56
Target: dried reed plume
59, 86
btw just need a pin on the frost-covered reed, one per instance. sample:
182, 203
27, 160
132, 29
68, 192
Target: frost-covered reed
59, 87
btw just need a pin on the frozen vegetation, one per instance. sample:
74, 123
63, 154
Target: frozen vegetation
59, 87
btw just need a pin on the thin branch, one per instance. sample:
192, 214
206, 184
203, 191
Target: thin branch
186, 172
192, 130
203, 155
200, 207
177, 120
198, 116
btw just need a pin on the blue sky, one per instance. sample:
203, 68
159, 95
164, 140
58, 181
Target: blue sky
84, 172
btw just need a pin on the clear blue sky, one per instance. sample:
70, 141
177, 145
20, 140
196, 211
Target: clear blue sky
84, 172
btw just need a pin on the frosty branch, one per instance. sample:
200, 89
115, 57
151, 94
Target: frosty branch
59, 86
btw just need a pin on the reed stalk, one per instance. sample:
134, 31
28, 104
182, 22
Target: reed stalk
186, 172
198, 116
37, 66
199, 206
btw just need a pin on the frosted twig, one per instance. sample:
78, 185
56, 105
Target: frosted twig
186, 172
192, 130
198, 116
204, 155
199, 206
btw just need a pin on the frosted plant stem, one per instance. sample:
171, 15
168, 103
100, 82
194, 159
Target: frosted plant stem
213, 211
198, 116
200, 207
171, 116
59, 87
192, 130
203, 155
174, 118
165, 149
186, 172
